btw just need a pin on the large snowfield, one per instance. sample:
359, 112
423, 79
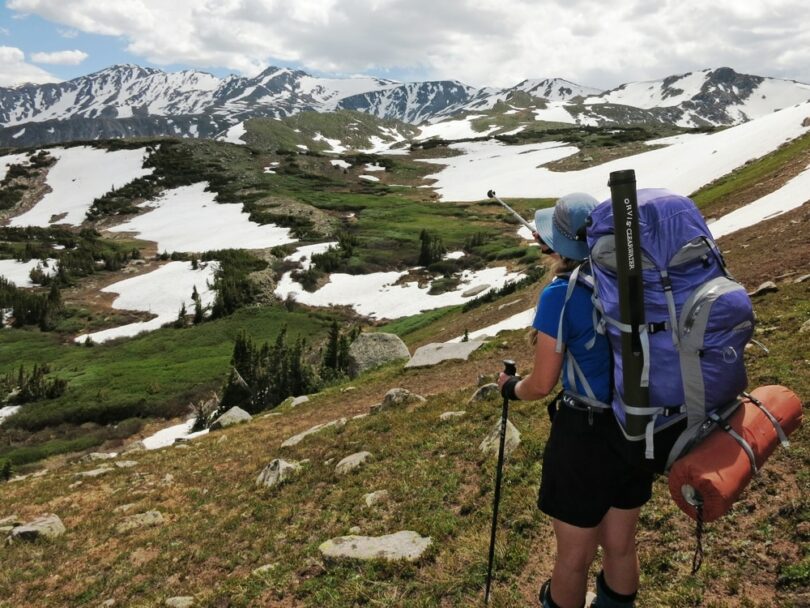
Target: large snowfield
161, 292
79, 176
683, 166
188, 219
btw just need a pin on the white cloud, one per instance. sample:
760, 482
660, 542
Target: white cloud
14, 70
496, 42
60, 57
67, 33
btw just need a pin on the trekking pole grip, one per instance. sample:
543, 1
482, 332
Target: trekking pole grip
509, 367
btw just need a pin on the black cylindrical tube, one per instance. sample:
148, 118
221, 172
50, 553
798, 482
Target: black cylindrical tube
631, 292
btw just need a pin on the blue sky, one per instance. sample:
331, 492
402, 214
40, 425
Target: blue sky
479, 42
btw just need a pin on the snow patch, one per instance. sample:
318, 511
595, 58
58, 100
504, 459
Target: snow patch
166, 437
369, 178
79, 176
341, 163
303, 255
376, 295
521, 320
234, 134
19, 272
161, 292
8, 411
189, 219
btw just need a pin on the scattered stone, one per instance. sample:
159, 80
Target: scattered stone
107, 603
801, 279
272, 414
805, 327
184, 601
296, 439
95, 472
96, 456
222, 440
180, 446
370, 350
376, 498
806, 122
350, 463
276, 473
405, 545
126, 464
485, 393
75, 485
141, 520
235, 415
348, 389
766, 287
474, 291
445, 417
264, 569
359, 416
803, 530
47, 526
168, 479
124, 508
397, 397
437, 352
491, 443
512, 303
328, 462
355, 530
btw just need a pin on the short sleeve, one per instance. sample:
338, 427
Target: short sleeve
549, 308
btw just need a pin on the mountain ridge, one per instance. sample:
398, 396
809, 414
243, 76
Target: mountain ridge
193, 103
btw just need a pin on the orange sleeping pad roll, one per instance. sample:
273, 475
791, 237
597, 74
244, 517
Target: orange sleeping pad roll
718, 469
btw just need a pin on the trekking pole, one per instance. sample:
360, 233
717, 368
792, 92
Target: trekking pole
518, 217
510, 370
631, 293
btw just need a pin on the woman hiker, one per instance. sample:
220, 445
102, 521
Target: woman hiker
591, 493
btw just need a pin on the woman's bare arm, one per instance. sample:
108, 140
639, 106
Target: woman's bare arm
543, 377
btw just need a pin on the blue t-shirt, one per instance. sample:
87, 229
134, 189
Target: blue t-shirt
577, 331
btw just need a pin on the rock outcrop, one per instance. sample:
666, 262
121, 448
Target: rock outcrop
276, 473
235, 415
371, 350
406, 545
491, 443
398, 397
435, 353
46, 526
350, 463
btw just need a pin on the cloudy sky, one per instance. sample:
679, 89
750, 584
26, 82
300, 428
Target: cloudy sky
479, 42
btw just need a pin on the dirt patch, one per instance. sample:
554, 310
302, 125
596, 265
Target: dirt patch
774, 250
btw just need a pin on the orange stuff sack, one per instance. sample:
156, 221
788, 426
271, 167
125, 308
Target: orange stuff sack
717, 470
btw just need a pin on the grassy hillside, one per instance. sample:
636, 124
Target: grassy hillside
219, 527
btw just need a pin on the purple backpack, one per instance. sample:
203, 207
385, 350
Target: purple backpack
698, 319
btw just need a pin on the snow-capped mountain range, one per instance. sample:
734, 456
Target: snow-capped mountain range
129, 100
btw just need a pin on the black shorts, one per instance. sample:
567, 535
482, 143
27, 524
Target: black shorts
584, 471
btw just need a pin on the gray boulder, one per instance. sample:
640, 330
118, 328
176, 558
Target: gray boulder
276, 473
437, 352
491, 443
46, 526
398, 397
299, 400
183, 601
486, 392
406, 545
235, 415
350, 463
371, 350
141, 520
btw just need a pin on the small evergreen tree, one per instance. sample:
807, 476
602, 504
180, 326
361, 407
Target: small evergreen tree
198, 311
5, 469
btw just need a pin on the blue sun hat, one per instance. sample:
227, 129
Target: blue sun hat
561, 226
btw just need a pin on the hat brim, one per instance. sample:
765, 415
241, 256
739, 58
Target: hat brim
551, 236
